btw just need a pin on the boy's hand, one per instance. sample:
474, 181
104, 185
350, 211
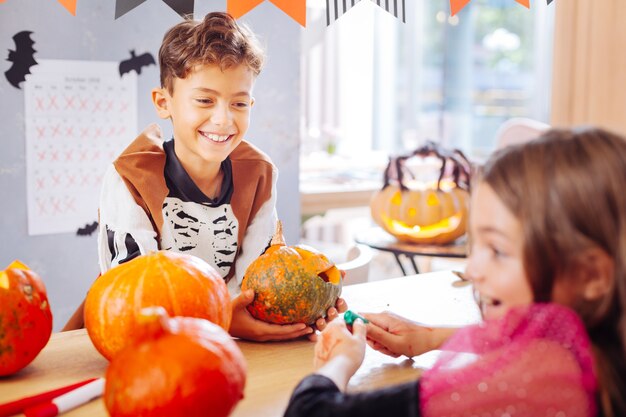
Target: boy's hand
247, 327
332, 313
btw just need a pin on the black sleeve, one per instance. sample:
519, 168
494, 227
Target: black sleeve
318, 396
121, 253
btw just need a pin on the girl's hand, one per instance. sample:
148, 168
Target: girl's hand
331, 314
338, 352
247, 327
394, 335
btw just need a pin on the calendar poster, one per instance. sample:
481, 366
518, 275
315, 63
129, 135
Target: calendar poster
79, 116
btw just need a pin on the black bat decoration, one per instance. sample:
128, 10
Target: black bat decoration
136, 62
22, 58
87, 230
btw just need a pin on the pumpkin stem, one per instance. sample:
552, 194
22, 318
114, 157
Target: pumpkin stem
152, 321
278, 238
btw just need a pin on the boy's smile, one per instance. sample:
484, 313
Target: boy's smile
210, 113
496, 264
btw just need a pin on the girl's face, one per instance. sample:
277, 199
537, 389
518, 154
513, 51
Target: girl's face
495, 265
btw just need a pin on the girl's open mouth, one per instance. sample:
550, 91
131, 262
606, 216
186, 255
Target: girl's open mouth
486, 304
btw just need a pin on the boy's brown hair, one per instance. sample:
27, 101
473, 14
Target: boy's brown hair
216, 40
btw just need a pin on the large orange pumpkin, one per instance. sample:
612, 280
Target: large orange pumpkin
179, 366
25, 317
182, 284
292, 284
424, 212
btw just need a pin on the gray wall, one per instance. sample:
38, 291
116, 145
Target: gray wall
66, 262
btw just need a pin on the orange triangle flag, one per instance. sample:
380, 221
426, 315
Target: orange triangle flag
70, 5
296, 9
457, 5
237, 8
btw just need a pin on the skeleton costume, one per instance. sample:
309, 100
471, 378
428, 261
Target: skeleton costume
149, 202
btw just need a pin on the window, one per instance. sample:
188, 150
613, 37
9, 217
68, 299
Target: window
374, 86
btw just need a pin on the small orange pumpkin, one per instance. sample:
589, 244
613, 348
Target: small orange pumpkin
418, 212
175, 367
25, 317
184, 285
292, 284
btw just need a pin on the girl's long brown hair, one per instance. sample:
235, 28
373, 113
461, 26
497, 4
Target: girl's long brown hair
568, 189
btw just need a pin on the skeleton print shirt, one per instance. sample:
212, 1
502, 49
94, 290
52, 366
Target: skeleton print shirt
149, 202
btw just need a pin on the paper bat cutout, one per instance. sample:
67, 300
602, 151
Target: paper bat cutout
87, 230
22, 58
136, 62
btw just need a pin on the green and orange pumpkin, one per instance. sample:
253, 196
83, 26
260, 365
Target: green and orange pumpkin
175, 367
434, 212
292, 284
184, 285
25, 317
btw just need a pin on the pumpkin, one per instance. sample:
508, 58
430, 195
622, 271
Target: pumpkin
292, 284
25, 317
178, 366
184, 285
424, 212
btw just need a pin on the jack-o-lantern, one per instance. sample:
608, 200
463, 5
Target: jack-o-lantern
424, 212
292, 284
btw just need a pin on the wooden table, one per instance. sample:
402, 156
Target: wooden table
377, 238
274, 369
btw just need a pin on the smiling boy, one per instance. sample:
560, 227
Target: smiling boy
207, 192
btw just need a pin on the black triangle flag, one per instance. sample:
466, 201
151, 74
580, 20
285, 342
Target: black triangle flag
550, 1
182, 7
124, 6
340, 7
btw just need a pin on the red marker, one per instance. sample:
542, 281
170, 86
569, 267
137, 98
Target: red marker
18, 406
68, 401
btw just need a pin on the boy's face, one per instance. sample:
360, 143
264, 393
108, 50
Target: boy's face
210, 112
495, 265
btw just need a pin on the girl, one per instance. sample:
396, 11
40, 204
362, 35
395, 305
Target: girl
548, 223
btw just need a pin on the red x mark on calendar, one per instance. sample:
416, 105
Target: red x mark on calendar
69, 102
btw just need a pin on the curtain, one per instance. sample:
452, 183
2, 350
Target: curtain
589, 67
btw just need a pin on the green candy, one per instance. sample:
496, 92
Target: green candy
349, 317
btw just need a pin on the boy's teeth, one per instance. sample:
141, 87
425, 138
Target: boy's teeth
217, 138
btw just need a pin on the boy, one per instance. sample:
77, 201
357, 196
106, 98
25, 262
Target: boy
207, 192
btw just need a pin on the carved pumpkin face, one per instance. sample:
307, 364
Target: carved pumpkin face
423, 215
418, 212
292, 284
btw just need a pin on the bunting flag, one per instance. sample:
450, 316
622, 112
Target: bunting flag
70, 5
296, 9
457, 5
340, 7
124, 6
182, 7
